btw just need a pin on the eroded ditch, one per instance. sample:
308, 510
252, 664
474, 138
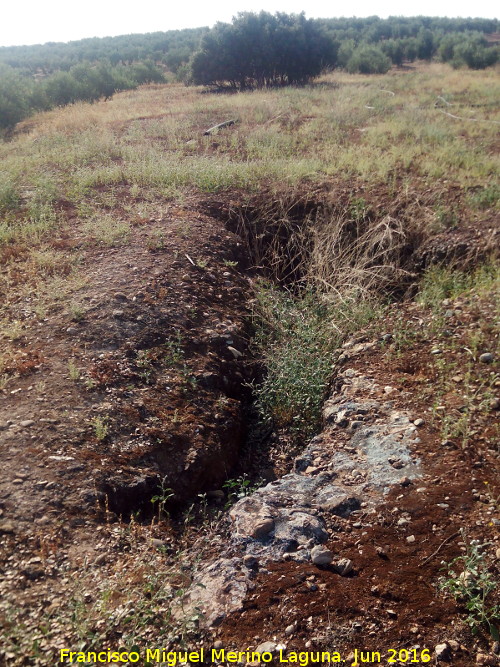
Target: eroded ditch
324, 241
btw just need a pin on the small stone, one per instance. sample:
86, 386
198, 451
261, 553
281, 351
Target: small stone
497, 554
100, 559
26, 423
410, 539
120, 296
158, 544
343, 566
443, 652
436, 350
218, 644
321, 556
486, 358
418, 422
266, 647
262, 527
6, 527
495, 404
453, 644
218, 495
391, 613
236, 353
486, 659
290, 629
117, 314
250, 561
71, 330
495, 648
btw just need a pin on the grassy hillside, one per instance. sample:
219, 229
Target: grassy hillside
353, 221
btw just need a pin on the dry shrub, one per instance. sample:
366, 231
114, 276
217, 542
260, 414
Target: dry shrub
338, 247
348, 255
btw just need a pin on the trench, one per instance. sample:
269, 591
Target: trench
287, 241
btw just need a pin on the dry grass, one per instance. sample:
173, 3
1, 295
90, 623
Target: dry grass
367, 131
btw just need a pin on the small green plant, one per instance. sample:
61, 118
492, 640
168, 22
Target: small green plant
230, 264
447, 217
173, 351
76, 312
487, 197
472, 585
162, 497
73, 370
237, 488
101, 428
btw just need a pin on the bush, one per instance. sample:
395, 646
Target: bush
368, 60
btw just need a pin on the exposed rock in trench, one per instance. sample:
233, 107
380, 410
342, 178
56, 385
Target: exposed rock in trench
364, 449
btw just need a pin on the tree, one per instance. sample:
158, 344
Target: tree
368, 59
262, 49
14, 97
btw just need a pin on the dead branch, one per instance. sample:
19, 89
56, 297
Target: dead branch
218, 127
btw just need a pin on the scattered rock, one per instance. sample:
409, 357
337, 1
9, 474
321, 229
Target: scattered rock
6, 527
321, 556
486, 358
250, 561
418, 422
158, 544
391, 613
290, 629
236, 353
218, 644
486, 659
343, 566
267, 647
443, 652
117, 314
26, 423
410, 539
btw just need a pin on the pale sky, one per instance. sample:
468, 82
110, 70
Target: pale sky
40, 21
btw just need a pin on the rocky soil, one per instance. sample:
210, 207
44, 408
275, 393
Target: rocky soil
140, 393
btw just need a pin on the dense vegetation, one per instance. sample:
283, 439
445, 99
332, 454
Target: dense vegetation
255, 50
259, 50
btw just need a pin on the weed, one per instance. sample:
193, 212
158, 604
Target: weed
156, 240
9, 196
230, 263
101, 428
297, 337
173, 351
73, 370
162, 499
487, 197
472, 585
238, 488
4, 380
440, 283
76, 312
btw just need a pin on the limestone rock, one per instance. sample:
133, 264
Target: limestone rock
321, 556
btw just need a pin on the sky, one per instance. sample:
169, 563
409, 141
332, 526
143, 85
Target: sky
40, 21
